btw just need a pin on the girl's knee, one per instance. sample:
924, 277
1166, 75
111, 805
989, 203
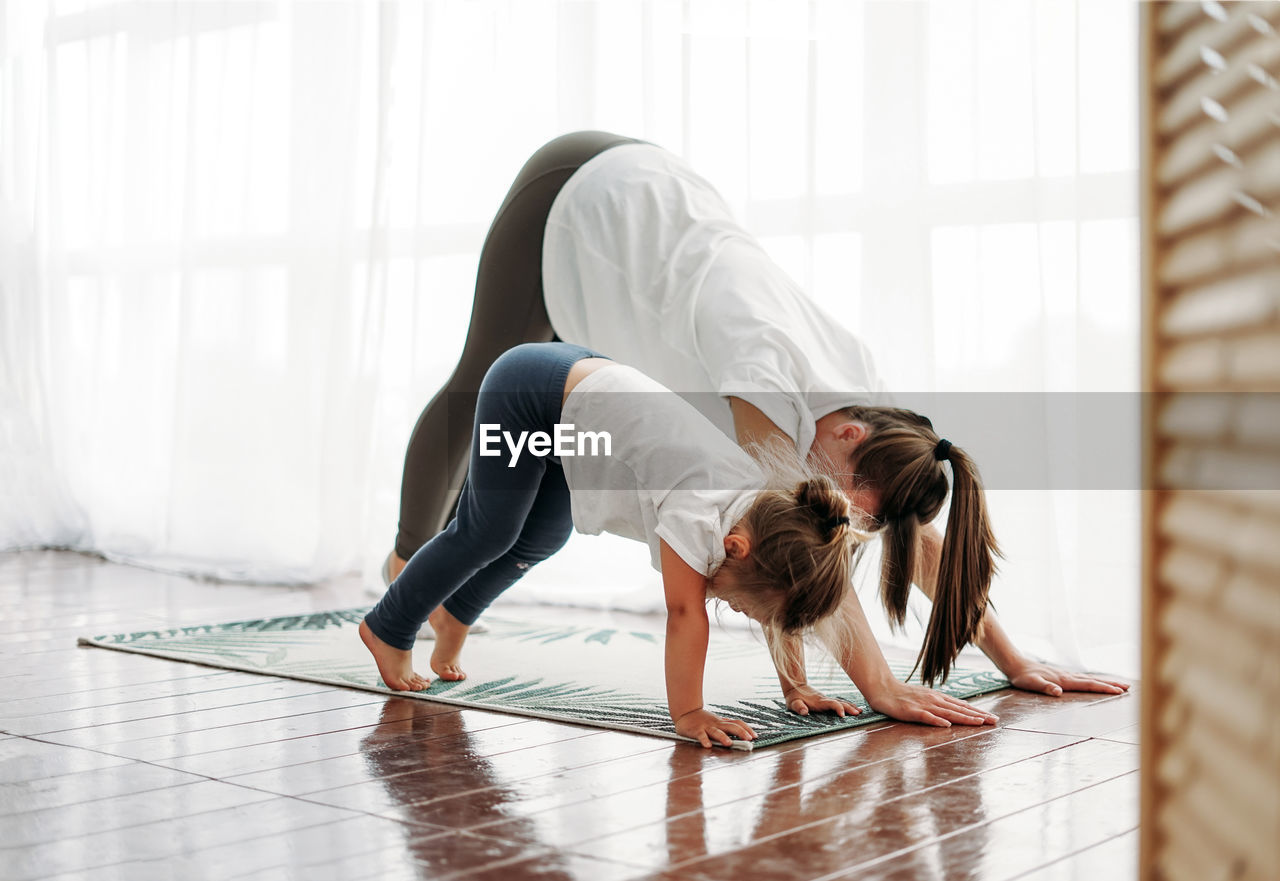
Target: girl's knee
534, 547
515, 368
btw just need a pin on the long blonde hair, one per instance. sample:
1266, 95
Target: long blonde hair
903, 457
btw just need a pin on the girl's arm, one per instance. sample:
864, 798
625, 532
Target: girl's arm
796, 691
1022, 671
686, 654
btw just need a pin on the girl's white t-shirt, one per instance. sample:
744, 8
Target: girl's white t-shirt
643, 261
669, 475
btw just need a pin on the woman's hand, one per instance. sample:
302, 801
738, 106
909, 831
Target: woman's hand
915, 703
804, 698
705, 726
1042, 678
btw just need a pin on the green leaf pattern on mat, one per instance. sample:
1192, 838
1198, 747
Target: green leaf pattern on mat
323, 647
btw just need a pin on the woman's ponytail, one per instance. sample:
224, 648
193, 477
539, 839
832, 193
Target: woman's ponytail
898, 565
903, 458
965, 570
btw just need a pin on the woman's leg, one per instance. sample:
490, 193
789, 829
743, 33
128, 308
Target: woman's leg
508, 311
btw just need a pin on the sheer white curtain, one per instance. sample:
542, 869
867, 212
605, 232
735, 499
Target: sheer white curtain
238, 239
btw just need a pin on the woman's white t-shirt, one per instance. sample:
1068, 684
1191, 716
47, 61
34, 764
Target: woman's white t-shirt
643, 261
669, 474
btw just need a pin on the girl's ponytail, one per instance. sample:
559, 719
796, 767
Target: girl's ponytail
802, 545
827, 503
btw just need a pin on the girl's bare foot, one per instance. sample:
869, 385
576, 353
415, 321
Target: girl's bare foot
450, 635
395, 665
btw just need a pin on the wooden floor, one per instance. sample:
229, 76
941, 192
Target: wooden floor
122, 766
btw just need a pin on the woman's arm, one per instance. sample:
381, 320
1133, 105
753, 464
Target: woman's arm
995, 643
800, 697
686, 654
751, 426
863, 661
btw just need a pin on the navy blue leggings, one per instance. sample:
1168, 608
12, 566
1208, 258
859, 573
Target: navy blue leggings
508, 518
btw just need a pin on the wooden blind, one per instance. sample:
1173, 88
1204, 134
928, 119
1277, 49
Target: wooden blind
1211, 278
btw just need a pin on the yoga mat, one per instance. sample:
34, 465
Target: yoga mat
588, 675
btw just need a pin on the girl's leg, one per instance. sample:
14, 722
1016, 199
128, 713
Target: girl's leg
508, 311
488, 523
546, 529
522, 392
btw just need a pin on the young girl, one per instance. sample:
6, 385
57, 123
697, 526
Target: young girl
665, 476
617, 244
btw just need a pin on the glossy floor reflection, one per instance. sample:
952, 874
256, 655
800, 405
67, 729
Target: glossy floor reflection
120, 766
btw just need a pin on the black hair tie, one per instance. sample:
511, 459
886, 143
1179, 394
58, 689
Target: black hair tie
942, 451
831, 524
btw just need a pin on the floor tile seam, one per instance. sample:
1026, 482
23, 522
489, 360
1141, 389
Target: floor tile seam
990, 820
31, 626
124, 760
1077, 705
1046, 730
118, 743
817, 778
492, 786
178, 733
164, 859
392, 745
287, 740
49, 650
622, 792
166, 715
213, 671
120, 794
544, 850
206, 779
431, 829
859, 867
111, 687
130, 825
1118, 740
913, 793
1076, 853
315, 866
746, 757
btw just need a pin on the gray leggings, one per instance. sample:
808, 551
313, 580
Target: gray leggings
508, 310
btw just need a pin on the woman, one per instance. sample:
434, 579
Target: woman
616, 244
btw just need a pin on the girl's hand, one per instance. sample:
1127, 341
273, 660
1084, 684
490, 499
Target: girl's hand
803, 698
1034, 676
915, 703
705, 726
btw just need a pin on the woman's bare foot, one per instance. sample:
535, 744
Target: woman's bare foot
450, 635
395, 665
393, 567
